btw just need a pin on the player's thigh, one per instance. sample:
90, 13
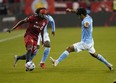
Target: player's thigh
78, 46
91, 50
34, 46
46, 37
39, 39
29, 42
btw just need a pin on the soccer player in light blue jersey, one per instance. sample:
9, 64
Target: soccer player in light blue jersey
46, 43
86, 43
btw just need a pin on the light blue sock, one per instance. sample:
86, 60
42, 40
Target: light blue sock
102, 59
34, 54
63, 56
45, 55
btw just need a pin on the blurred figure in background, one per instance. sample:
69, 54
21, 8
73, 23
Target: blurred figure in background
3, 8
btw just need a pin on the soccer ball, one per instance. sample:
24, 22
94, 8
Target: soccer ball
30, 66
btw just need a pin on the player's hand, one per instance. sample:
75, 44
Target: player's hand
68, 10
53, 33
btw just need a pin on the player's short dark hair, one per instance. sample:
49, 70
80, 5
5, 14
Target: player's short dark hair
81, 11
37, 11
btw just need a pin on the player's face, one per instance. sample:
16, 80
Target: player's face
42, 15
80, 17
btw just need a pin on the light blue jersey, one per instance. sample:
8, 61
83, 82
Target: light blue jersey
46, 35
52, 23
86, 43
87, 32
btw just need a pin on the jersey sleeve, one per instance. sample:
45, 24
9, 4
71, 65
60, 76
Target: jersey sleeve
51, 21
86, 21
30, 18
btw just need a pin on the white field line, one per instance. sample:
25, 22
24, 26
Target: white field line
13, 37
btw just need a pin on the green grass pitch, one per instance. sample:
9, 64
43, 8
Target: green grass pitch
77, 68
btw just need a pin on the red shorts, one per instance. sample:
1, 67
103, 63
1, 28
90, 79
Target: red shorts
30, 43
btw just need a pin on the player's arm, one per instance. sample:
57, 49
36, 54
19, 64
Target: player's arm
17, 24
70, 10
52, 23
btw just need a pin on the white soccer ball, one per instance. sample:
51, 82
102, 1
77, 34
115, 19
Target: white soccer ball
30, 66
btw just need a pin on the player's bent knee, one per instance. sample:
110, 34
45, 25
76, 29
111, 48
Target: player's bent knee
94, 55
47, 44
29, 48
70, 49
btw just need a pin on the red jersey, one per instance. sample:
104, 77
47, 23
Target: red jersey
36, 25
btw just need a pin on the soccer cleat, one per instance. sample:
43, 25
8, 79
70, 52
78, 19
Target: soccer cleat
42, 65
110, 66
15, 60
54, 62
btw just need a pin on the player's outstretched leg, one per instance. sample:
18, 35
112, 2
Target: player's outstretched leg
62, 57
102, 59
54, 62
45, 55
16, 58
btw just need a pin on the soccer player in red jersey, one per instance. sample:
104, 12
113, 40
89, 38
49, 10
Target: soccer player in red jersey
37, 23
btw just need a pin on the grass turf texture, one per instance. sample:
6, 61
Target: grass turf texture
77, 68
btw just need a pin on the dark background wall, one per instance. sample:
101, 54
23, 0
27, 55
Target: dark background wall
100, 19
64, 20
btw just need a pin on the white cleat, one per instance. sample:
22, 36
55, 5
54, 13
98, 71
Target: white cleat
54, 62
15, 60
110, 66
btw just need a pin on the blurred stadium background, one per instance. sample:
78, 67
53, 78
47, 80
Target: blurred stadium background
103, 11
78, 68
